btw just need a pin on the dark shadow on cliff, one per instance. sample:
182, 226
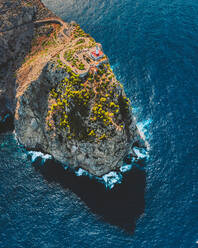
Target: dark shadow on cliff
15, 44
6, 116
121, 206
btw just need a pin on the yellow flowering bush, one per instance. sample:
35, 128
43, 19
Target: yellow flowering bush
86, 107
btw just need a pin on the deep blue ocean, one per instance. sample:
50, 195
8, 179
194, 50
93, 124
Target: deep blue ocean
152, 46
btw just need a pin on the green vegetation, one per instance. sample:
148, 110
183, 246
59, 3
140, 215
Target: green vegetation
55, 36
28, 4
87, 108
80, 41
48, 43
69, 56
71, 98
78, 32
81, 66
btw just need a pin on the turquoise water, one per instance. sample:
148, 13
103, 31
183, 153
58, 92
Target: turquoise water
153, 47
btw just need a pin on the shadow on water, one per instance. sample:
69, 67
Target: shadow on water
120, 206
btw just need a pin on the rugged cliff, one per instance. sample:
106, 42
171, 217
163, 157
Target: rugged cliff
16, 33
68, 102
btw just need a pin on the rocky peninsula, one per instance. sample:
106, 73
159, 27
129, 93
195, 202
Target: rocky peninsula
58, 84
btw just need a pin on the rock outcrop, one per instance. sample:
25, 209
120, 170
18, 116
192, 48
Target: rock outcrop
98, 156
16, 33
82, 119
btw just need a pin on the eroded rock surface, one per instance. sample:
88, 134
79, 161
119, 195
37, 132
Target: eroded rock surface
95, 155
66, 103
16, 33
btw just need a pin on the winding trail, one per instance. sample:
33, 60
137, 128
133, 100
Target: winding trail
64, 25
63, 31
41, 22
41, 59
30, 72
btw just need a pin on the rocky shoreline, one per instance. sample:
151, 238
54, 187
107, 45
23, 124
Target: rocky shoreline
82, 121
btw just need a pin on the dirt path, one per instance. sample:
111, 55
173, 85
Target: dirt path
63, 30
30, 71
64, 25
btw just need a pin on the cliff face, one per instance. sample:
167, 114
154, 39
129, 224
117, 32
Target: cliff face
16, 34
68, 102
80, 142
14, 41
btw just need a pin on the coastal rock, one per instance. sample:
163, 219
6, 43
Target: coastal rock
96, 156
16, 33
59, 85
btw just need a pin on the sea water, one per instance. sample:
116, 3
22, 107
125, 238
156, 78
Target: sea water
152, 46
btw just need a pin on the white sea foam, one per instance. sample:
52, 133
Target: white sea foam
126, 167
81, 172
136, 110
143, 128
111, 179
35, 155
140, 152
